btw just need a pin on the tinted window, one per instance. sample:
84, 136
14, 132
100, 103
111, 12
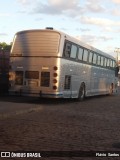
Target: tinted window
102, 61
105, 62
108, 63
67, 49
73, 51
80, 53
113, 64
90, 57
94, 58
99, 60
85, 55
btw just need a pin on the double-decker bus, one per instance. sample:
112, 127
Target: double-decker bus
50, 63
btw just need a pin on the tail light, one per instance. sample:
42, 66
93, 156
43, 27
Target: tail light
54, 80
55, 75
55, 68
54, 87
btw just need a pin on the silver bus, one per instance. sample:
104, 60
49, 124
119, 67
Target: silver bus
50, 63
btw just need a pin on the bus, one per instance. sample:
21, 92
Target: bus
50, 63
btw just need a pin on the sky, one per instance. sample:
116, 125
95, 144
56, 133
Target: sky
95, 22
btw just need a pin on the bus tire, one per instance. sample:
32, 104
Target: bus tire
81, 95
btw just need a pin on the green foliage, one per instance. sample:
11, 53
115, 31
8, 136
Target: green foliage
5, 47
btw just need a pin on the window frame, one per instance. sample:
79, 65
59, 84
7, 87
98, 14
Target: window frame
72, 45
85, 53
91, 57
94, 62
81, 54
86, 56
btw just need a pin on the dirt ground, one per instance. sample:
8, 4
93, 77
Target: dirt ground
34, 125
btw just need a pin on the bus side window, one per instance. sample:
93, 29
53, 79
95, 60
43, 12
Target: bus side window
94, 58
111, 63
67, 50
108, 63
102, 61
105, 62
85, 55
99, 60
90, 57
73, 51
80, 53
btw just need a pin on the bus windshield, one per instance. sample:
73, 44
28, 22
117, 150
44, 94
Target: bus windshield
36, 43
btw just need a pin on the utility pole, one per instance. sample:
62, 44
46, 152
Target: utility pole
117, 51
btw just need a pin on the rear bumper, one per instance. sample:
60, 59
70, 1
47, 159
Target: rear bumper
36, 93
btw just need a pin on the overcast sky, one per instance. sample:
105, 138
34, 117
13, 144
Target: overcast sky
95, 22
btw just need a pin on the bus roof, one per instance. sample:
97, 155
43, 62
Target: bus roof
70, 38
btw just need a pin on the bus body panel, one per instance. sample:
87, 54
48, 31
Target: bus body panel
36, 43
32, 81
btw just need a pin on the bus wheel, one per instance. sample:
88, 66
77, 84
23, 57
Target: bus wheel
111, 89
81, 95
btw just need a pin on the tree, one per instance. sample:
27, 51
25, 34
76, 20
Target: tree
4, 46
